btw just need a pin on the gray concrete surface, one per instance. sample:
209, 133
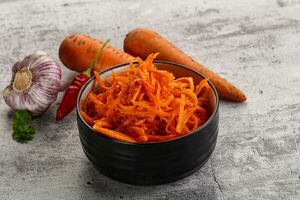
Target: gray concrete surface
254, 44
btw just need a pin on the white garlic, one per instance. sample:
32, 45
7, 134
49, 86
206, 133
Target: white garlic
36, 81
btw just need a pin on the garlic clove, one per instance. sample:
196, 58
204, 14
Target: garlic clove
6, 91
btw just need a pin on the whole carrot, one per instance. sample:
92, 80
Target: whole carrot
77, 50
141, 42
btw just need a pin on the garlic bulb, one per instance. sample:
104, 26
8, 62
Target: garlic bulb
35, 83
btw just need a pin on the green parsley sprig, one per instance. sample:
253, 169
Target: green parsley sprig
22, 130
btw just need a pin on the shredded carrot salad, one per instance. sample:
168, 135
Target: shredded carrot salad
144, 104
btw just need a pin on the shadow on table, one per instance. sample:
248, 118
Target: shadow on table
199, 185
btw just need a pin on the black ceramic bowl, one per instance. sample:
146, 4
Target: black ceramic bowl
157, 162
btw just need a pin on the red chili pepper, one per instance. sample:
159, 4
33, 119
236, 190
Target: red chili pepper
69, 100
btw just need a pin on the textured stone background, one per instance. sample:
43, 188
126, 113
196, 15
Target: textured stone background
254, 44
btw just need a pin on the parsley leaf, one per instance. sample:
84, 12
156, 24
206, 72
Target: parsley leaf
22, 131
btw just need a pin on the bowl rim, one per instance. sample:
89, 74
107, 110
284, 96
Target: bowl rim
148, 143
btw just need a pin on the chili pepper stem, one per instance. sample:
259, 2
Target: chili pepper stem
88, 71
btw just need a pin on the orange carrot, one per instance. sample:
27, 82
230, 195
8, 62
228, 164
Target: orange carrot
141, 42
87, 118
113, 134
141, 104
179, 125
77, 50
139, 134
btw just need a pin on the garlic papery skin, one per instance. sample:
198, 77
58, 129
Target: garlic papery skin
36, 81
